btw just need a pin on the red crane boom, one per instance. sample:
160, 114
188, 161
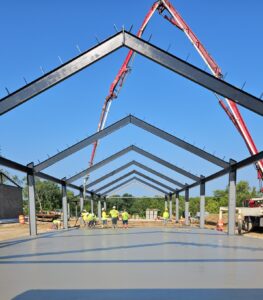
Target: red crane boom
175, 18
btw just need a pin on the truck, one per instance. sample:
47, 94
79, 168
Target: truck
249, 216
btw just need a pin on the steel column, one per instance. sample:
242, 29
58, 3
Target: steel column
232, 202
171, 205
186, 212
65, 206
99, 209
92, 204
165, 202
202, 205
105, 205
32, 202
176, 208
81, 201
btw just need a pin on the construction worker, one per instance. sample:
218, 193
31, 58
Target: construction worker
90, 220
165, 216
57, 223
86, 218
104, 217
114, 216
125, 218
83, 213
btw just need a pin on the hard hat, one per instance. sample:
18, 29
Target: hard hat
103, 208
84, 210
114, 206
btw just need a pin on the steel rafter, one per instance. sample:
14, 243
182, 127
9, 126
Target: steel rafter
140, 165
137, 150
137, 179
144, 48
131, 173
120, 124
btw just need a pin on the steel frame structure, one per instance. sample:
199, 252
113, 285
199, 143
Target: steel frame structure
117, 126
130, 180
139, 151
98, 190
140, 165
142, 47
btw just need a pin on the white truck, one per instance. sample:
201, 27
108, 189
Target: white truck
249, 216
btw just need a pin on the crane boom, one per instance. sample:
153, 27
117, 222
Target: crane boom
175, 18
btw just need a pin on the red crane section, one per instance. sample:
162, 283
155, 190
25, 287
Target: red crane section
175, 18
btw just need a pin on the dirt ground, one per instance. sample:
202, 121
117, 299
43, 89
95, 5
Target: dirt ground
16, 230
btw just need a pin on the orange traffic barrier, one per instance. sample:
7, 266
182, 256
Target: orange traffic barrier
219, 225
21, 219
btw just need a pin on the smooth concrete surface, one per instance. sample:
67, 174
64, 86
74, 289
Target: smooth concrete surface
167, 263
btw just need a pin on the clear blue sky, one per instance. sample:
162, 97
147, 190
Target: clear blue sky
35, 33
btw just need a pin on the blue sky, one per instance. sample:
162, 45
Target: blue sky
34, 34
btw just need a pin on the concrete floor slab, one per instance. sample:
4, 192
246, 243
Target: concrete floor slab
136, 263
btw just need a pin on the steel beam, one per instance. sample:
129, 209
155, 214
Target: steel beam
126, 150
170, 205
178, 142
137, 179
193, 73
131, 173
61, 73
202, 205
32, 203
119, 124
232, 202
236, 166
165, 163
65, 206
186, 202
82, 144
176, 207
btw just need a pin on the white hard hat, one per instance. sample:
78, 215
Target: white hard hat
103, 208
114, 206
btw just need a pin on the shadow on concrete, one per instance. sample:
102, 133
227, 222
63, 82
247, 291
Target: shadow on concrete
132, 261
145, 294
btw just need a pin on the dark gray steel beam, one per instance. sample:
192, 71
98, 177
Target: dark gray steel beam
116, 171
114, 181
126, 150
82, 144
235, 166
193, 73
99, 164
61, 73
165, 163
131, 173
132, 179
140, 165
154, 181
178, 142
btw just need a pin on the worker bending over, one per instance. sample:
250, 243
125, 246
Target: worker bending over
125, 218
114, 216
165, 216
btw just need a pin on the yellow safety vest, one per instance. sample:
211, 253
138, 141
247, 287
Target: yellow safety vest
166, 215
125, 216
104, 215
114, 213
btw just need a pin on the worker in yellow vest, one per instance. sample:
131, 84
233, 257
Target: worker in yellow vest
165, 216
85, 217
114, 216
125, 218
104, 217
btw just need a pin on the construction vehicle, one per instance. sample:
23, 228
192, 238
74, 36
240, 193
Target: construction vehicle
250, 216
166, 9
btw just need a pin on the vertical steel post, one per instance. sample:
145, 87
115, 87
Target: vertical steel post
186, 212
81, 200
176, 207
232, 200
32, 201
92, 203
105, 204
99, 209
170, 205
69, 212
76, 209
64, 205
165, 202
202, 203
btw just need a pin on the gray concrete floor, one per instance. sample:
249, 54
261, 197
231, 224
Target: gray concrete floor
137, 263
